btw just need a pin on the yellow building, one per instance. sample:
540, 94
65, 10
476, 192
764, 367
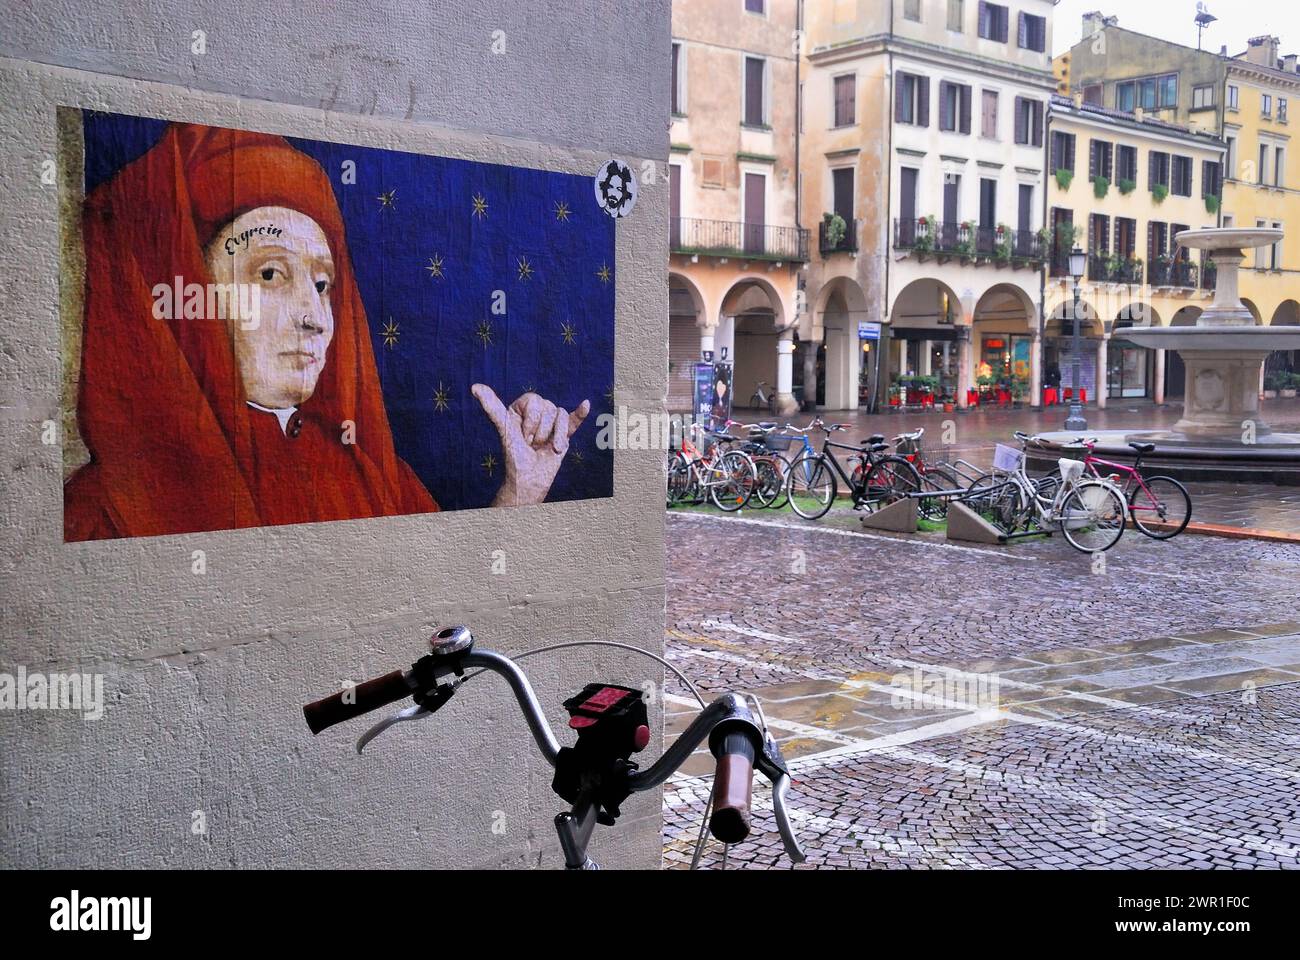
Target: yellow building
1121, 186
1262, 188
736, 247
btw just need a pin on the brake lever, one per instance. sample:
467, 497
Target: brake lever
772, 765
426, 705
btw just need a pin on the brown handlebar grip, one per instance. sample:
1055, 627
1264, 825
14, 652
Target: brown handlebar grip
362, 698
733, 788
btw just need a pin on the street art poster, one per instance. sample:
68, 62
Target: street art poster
265, 330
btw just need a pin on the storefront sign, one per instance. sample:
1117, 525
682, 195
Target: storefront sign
868, 330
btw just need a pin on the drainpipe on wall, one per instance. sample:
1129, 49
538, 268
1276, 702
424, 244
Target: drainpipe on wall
882, 343
1042, 273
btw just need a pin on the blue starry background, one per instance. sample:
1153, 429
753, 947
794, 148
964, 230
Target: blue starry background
406, 209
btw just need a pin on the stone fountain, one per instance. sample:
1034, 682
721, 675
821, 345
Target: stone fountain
1221, 432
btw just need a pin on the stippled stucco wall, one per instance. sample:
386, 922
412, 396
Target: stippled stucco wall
205, 674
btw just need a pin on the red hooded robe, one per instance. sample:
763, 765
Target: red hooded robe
174, 446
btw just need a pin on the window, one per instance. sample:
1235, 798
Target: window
1181, 176
912, 10
1062, 151
1100, 155
1266, 104
1263, 164
1167, 88
756, 6
842, 193
1146, 94
1279, 165
1230, 157
1126, 162
1157, 170
679, 78
1211, 179
755, 81
988, 203
1124, 97
993, 21
1029, 122
1234, 98
1202, 97
1281, 109
912, 99
1032, 32
1126, 230
956, 14
1157, 241
954, 107
1092, 94
989, 115
1276, 248
1261, 253
845, 100
1098, 234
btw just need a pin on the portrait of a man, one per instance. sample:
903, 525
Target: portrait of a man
278, 331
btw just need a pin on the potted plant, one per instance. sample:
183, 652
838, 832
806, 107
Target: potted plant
1100, 187
1292, 384
1064, 178
1002, 243
834, 228
1159, 192
924, 235
1211, 203
1126, 186
1273, 382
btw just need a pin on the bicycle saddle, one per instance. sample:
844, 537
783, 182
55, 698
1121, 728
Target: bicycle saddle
878, 447
874, 438
1143, 447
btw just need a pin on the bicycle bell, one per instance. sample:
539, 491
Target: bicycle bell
451, 640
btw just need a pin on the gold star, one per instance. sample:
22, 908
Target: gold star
387, 199
525, 269
577, 455
390, 333
561, 211
435, 266
441, 398
531, 388
484, 333
568, 332
489, 464
603, 273
480, 206
609, 394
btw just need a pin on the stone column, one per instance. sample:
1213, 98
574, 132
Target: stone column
1102, 348
810, 348
1158, 390
706, 339
785, 404
965, 379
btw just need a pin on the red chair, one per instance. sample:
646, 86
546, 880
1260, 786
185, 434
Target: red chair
972, 398
1049, 397
1004, 398
927, 400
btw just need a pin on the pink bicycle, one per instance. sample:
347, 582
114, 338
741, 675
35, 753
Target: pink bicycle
1160, 507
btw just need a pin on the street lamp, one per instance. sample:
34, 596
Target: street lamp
1075, 421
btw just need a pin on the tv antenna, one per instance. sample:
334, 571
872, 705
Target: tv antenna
1203, 19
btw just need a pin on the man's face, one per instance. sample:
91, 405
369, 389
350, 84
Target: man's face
283, 255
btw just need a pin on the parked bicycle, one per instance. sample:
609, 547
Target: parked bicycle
772, 469
596, 774
874, 479
1088, 511
1159, 507
763, 399
726, 477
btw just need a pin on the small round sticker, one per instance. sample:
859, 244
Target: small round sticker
615, 188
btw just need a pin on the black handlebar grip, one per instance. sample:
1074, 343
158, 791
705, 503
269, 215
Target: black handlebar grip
364, 697
733, 788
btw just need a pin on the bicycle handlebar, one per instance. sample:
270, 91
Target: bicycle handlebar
737, 741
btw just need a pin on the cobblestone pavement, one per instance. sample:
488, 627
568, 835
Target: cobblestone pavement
946, 705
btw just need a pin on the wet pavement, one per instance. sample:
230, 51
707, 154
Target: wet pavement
947, 705
972, 437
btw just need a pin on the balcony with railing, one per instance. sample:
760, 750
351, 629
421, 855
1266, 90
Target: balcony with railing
1113, 268
1164, 272
846, 244
925, 237
731, 238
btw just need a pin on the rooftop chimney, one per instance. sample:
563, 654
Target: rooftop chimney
1288, 63
1095, 21
1262, 50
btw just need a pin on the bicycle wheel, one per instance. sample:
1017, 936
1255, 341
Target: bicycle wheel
768, 480
680, 479
811, 488
1162, 509
780, 467
1093, 517
890, 479
732, 481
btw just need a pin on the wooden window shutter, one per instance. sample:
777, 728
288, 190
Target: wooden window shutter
1037, 121
899, 88
945, 107
1092, 159
1022, 32
923, 101
965, 109
1022, 134
1152, 179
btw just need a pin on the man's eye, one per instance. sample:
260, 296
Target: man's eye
268, 273
322, 286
